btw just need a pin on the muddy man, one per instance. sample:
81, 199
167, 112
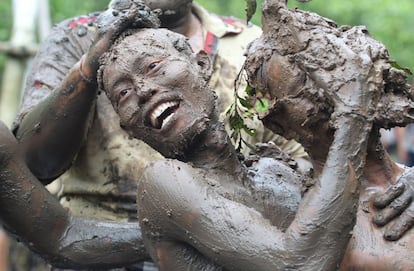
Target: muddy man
304, 57
203, 208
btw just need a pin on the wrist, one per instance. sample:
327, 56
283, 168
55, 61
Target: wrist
356, 116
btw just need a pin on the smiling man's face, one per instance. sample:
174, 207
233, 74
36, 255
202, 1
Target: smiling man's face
159, 88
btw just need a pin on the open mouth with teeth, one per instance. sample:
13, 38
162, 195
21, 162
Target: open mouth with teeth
162, 114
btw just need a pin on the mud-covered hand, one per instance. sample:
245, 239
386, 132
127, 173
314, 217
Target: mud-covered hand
358, 96
395, 208
120, 15
356, 85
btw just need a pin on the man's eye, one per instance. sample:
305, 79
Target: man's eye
153, 65
123, 92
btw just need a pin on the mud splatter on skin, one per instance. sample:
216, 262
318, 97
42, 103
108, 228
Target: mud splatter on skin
210, 203
305, 59
177, 76
36, 217
302, 61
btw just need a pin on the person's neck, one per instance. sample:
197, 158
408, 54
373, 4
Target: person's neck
214, 150
191, 27
380, 169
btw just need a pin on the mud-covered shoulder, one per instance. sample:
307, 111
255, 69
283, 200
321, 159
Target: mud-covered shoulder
277, 187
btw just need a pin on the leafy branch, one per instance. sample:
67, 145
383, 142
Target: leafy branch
241, 109
238, 111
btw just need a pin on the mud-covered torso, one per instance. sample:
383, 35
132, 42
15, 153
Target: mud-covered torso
270, 187
275, 190
277, 199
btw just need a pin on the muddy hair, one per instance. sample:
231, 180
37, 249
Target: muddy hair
178, 41
329, 57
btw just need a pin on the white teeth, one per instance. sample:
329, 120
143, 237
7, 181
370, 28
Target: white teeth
159, 110
166, 120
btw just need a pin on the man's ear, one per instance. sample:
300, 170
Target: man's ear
204, 62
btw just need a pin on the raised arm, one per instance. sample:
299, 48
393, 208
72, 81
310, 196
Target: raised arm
179, 205
52, 131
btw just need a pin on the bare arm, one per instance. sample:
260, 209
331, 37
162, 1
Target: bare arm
52, 132
179, 204
31, 213
238, 237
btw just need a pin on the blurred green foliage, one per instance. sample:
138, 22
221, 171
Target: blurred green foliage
63, 9
5, 28
391, 22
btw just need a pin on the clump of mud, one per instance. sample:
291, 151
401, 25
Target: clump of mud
320, 58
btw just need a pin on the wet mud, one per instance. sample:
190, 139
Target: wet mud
310, 53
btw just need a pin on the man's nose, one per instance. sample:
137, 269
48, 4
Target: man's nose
145, 94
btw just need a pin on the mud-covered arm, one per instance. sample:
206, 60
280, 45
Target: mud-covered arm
61, 50
238, 237
34, 216
324, 221
53, 130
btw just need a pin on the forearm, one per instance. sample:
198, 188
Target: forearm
26, 208
52, 132
89, 243
188, 211
319, 235
327, 215
31, 213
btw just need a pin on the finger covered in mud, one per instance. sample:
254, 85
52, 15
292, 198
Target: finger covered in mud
124, 14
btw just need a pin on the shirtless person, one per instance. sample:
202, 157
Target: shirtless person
75, 242
98, 176
231, 217
166, 101
38, 219
325, 58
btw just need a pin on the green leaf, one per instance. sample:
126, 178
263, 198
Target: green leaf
262, 105
250, 146
250, 91
249, 131
236, 122
395, 65
245, 103
229, 109
251, 6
